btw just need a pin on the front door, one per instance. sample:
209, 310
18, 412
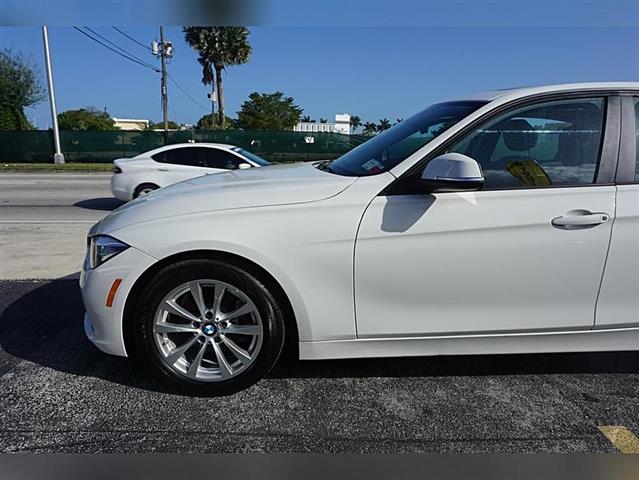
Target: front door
618, 304
182, 163
526, 253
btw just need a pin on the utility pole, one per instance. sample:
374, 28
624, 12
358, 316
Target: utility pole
165, 102
58, 157
165, 50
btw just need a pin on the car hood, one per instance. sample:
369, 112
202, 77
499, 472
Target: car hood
254, 187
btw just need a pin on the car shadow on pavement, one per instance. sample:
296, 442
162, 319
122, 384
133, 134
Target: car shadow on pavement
104, 203
41, 322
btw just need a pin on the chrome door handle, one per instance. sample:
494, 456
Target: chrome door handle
163, 170
580, 219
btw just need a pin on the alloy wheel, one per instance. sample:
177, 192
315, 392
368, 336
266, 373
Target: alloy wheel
208, 330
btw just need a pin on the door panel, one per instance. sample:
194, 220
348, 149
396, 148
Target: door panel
618, 304
185, 172
526, 253
488, 261
178, 164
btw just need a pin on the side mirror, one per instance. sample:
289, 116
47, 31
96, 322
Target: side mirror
452, 172
244, 166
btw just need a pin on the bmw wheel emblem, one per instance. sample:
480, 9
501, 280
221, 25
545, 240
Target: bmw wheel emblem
208, 329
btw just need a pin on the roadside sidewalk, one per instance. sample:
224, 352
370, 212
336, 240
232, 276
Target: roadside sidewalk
52, 168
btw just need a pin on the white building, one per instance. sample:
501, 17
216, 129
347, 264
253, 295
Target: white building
131, 123
342, 124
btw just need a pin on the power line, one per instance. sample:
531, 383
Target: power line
146, 65
186, 93
132, 39
178, 31
175, 112
128, 57
123, 50
118, 47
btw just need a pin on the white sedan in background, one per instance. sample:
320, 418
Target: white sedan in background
506, 222
133, 177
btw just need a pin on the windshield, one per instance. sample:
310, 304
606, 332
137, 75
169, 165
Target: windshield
251, 156
388, 149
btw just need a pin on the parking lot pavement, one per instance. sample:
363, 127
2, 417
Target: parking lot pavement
58, 393
44, 219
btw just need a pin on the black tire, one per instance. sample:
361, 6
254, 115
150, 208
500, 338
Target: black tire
144, 188
184, 271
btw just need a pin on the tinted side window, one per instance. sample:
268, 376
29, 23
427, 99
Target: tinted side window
159, 157
189, 156
216, 158
637, 138
551, 143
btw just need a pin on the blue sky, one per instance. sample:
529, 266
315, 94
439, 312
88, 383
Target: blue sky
373, 72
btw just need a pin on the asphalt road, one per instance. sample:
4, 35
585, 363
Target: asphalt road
44, 219
59, 394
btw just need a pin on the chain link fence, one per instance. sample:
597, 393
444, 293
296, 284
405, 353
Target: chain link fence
36, 146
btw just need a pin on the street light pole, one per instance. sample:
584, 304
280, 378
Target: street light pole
212, 97
58, 157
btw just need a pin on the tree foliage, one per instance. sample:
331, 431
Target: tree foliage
218, 48
160, 125
268, 111
370, 128
384, 124
89, 118
356, 122
208, 122
20, 87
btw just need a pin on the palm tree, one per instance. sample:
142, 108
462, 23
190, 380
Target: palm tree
400, 119
306, 119
370, 128
356, 122
218, 47
323, 120
384, 124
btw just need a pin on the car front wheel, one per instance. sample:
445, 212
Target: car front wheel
209, 327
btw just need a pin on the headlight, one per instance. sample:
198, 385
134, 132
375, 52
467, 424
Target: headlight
102, 248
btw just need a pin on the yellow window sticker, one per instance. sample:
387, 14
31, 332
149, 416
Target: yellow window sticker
529, 173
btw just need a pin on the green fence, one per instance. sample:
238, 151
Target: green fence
101, 147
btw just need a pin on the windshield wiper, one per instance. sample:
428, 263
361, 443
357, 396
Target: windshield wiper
326, 166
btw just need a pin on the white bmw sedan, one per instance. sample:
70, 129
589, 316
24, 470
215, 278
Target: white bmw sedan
504, 222
137, 176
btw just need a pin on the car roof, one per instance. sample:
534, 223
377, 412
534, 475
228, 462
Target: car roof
222, 146
520, 92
